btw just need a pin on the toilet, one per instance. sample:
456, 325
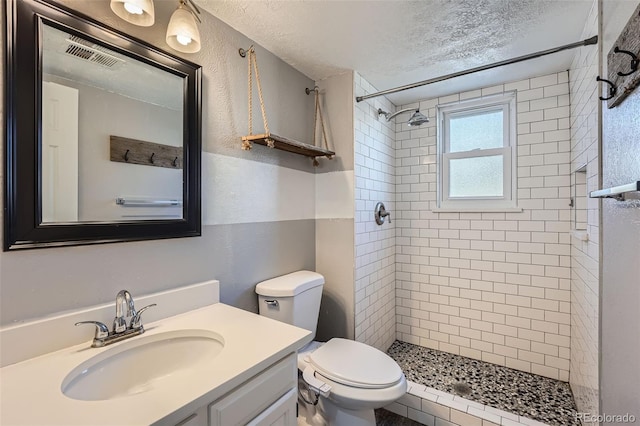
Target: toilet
341, 381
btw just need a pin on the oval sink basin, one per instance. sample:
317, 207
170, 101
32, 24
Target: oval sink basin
142, 364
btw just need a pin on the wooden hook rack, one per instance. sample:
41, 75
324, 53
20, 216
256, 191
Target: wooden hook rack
125, 150
623, 75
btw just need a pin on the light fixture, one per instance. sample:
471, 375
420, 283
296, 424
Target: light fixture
416, 119
182, 32
137, 12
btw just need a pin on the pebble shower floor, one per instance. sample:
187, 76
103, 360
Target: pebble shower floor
540, 398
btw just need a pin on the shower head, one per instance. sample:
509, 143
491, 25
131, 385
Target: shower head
415, 120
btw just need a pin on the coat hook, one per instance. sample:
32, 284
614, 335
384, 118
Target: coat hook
612, 89
634, 61
152, 155
126, 156
175, 162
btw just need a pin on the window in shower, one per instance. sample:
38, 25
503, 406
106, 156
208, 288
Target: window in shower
476, 154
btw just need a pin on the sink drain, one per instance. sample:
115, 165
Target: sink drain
461, 388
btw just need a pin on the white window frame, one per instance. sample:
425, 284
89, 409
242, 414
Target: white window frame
508, 202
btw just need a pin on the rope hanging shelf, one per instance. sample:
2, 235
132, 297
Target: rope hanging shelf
280, 142
275, 141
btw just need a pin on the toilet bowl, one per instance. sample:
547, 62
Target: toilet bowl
341, 381
359, 377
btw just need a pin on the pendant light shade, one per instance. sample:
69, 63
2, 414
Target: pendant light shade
182, 32
137, 12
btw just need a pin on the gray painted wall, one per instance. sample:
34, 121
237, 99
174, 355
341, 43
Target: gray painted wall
335, 260
335, 236
36, 283
41, 282
620, 283
337, 103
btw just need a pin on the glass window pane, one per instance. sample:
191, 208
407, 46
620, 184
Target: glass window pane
476, 177
483, 130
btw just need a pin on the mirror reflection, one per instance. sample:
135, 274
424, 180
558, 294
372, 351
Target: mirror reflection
112, 143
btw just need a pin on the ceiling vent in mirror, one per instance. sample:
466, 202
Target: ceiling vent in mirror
91, 52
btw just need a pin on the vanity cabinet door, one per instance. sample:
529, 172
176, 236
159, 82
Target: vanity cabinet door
281, 413
256, 395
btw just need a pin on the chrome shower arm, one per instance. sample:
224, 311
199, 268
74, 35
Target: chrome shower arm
388, 116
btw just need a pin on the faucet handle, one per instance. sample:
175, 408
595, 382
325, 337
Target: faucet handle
102, 331
380, 213
136, 321
119, 324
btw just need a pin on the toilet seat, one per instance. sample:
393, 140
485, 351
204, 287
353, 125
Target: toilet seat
355, 364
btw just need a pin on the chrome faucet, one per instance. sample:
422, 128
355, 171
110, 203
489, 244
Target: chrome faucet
123, 301
125, 308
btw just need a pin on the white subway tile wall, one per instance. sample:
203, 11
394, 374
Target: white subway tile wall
490, 286
585, 254
375, 267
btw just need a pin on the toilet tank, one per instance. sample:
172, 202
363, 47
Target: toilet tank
293, 298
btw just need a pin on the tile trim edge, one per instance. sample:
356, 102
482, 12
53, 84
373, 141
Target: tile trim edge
430, 406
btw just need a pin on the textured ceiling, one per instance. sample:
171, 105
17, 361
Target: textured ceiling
394, 43
129, 77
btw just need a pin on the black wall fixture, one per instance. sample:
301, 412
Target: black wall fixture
611, 89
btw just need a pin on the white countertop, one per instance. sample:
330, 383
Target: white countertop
30, 391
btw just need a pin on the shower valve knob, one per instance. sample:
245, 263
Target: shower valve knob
381, 213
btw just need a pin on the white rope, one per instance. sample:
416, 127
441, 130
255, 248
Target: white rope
318, 113
270, 142
246, 145
324, 132
315, 118
250, 91
252, 60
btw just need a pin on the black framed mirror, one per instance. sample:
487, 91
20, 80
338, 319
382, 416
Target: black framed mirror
103, 133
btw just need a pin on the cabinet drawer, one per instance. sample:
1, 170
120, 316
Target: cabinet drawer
281, 413
254, 396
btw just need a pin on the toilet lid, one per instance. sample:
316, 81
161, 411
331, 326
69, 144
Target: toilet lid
355, 364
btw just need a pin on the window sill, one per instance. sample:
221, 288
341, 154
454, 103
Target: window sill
477, 210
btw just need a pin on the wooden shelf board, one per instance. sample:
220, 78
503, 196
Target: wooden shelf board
290, 145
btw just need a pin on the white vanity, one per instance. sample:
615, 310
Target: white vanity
214, 365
